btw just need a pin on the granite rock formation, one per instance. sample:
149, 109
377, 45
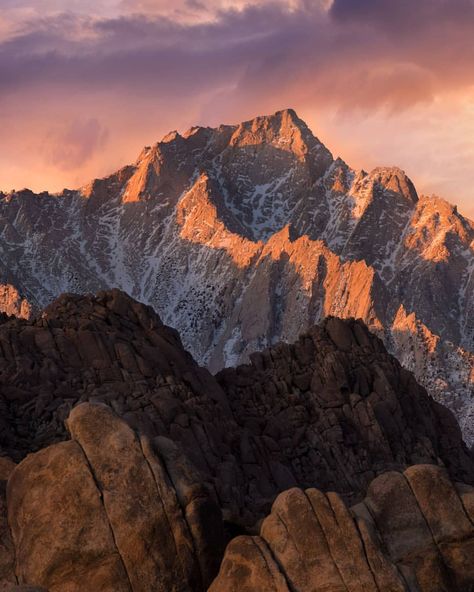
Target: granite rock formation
112, 511
135, 467
414, 531
207, 224
333, 410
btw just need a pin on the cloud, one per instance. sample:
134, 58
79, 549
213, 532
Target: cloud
402, 16
72, 146
140, 67
252, 47
205, 11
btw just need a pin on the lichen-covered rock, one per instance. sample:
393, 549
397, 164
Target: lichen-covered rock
411, 533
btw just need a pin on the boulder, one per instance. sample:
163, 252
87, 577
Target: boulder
410, 533
61, 532
101, 512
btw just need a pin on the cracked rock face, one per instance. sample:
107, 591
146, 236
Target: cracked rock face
207, 224
332, 410
112, 511
414, 531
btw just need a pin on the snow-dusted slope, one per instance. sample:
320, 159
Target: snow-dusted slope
244, 235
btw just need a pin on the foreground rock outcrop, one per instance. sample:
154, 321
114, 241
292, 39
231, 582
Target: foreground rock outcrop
413, 532
112, 511
333, 410
134, 467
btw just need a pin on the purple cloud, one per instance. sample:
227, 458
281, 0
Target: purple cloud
402, 16
140, 66
69, 148
254, 50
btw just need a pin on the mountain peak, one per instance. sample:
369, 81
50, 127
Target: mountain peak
281, 133
395, 180
289, 116
170, 137
284, 123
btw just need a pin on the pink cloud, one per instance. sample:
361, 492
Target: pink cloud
137, 69
73, 145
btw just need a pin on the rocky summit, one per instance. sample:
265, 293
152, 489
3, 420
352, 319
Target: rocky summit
247, 235
321, 465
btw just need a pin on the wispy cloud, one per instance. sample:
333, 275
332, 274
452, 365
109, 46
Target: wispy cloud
355, 44
137, 65
71, 146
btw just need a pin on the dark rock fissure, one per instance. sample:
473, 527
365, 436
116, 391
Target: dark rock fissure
163, 464
101, 496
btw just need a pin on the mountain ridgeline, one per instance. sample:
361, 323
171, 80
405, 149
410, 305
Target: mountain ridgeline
244, 236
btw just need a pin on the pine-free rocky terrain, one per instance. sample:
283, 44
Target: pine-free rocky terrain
125, 466
244, 236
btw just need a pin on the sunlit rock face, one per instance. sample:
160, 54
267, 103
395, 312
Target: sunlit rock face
11, 303
242, 236
413, 531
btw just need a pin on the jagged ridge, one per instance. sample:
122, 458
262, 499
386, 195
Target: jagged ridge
209, 223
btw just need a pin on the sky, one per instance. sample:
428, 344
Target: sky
85, 84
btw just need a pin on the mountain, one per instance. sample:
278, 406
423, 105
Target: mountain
243, 236
136, 466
